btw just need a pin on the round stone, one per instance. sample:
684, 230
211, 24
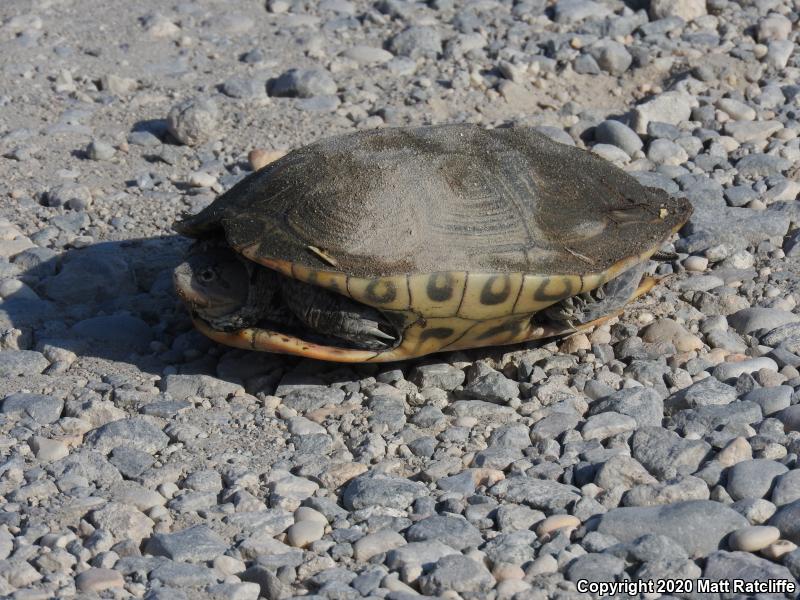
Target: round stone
97, 580
193, 121
304, 533
305, 513
754, 538
696, 264
556, 522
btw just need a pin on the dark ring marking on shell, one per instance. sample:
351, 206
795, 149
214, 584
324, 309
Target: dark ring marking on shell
437, 291
438, 333
490, 297
388, 296
512, 327
541, 291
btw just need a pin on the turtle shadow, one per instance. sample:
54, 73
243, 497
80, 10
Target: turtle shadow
110, 300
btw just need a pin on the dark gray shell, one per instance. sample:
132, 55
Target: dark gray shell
443, 198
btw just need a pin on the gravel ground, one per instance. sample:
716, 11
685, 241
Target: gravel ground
140, 460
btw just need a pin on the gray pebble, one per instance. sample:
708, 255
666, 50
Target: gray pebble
39, 407
619, 135
611, 56
457, 573
310, 398
749, 320
380, 490
596, 567
303, 83
452, 530
416, 41
537, 493
440, 375
98, 150
193, 121
136, 432
699, 526
787, 488
664, 453
194, 544
743, 565
644, 404
753, 478
19, 363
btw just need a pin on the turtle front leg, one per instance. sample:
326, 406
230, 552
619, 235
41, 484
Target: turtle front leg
336, 315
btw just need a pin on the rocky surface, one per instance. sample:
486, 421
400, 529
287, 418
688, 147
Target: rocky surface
138, 459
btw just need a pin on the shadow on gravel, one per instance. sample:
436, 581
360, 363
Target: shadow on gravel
111, 300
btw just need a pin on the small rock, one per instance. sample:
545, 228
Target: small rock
699, 526
754, 538
457, 573
377, 543
98, 150
368, 55
416, 41
773, 27
303, 533
619, 135
303, 83
193, 121
96, 580
556, 523
669, 107
260, 158
687, 10
194, 544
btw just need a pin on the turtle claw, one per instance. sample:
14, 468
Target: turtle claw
377, 333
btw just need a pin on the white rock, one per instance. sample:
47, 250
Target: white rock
778, 53
97, 580
556, 522
754, 538
377, 543
669, 107
779, 549
48, 450
305, 513
736, 110
304, 533
368, 55
773, 27
202, 179
697, 264
732, 370
685, 9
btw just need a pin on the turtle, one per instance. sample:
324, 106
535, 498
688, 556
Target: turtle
394, 243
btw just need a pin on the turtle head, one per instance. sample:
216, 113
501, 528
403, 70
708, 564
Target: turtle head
213, 280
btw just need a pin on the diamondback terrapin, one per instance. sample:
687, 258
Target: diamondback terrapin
393, 243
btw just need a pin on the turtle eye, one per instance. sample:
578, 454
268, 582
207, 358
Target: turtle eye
207, 275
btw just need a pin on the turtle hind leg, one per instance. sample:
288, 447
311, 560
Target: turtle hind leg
335, 315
